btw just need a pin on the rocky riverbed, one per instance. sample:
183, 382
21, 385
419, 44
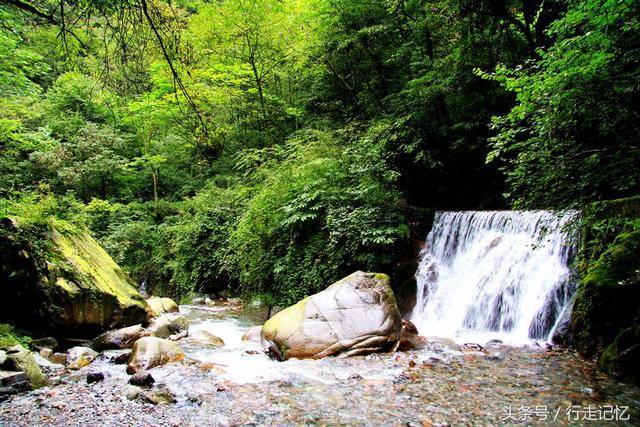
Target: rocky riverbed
237, 384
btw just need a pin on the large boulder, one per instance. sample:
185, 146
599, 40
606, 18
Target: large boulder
167, 325
55, 277
149, 352
120, 338
20, 359
356, 315
162, 305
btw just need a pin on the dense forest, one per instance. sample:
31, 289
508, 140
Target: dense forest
266, 148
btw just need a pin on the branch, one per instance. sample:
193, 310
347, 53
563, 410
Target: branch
28, 7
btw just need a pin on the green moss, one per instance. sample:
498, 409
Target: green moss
620, 263
606, 314
100, 273
73, 286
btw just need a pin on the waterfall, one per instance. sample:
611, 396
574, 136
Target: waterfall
495, 275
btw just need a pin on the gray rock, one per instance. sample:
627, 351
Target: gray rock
3, 357
356, 315
206, 338
168, 324
159, 396
149, 352
142, 379
132, 392
119, 338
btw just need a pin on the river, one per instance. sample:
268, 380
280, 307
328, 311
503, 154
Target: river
436, 384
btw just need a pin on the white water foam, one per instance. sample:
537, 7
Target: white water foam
495, 275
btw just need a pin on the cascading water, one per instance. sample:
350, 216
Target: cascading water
495, 274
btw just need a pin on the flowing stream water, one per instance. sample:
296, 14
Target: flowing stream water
495, 275
482, 276
434, 384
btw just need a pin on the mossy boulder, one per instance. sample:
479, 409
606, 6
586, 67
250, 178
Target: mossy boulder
356, 315
56, 278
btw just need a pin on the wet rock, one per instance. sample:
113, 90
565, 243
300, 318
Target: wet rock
3, 357
58, 358
42, 343
209, 301
142, 379
20, 359
161, 306
408, 328
204, 337
79, 357
178, 336
405, 345
12, 382
167, 325
197, 301
472, 348
132, 392
117, 357
356, 315
149, 352
494, 344
119, 338
94, 377
252, 334
160, 396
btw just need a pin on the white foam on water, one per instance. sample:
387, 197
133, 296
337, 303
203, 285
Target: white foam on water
495, 275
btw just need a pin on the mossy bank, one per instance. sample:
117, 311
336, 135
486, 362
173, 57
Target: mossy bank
605, 323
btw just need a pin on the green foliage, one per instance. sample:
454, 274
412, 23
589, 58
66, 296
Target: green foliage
322, 212
271, 147
9, 338
572, 135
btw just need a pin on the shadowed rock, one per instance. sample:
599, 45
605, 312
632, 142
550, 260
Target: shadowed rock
120, 338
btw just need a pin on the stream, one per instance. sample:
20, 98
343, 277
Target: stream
435, 384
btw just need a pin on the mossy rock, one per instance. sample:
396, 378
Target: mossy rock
606, 314
66, 285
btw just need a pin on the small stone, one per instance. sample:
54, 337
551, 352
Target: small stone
94, 377
160, 396
46, 353
132, 392
142, 379
117, 357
